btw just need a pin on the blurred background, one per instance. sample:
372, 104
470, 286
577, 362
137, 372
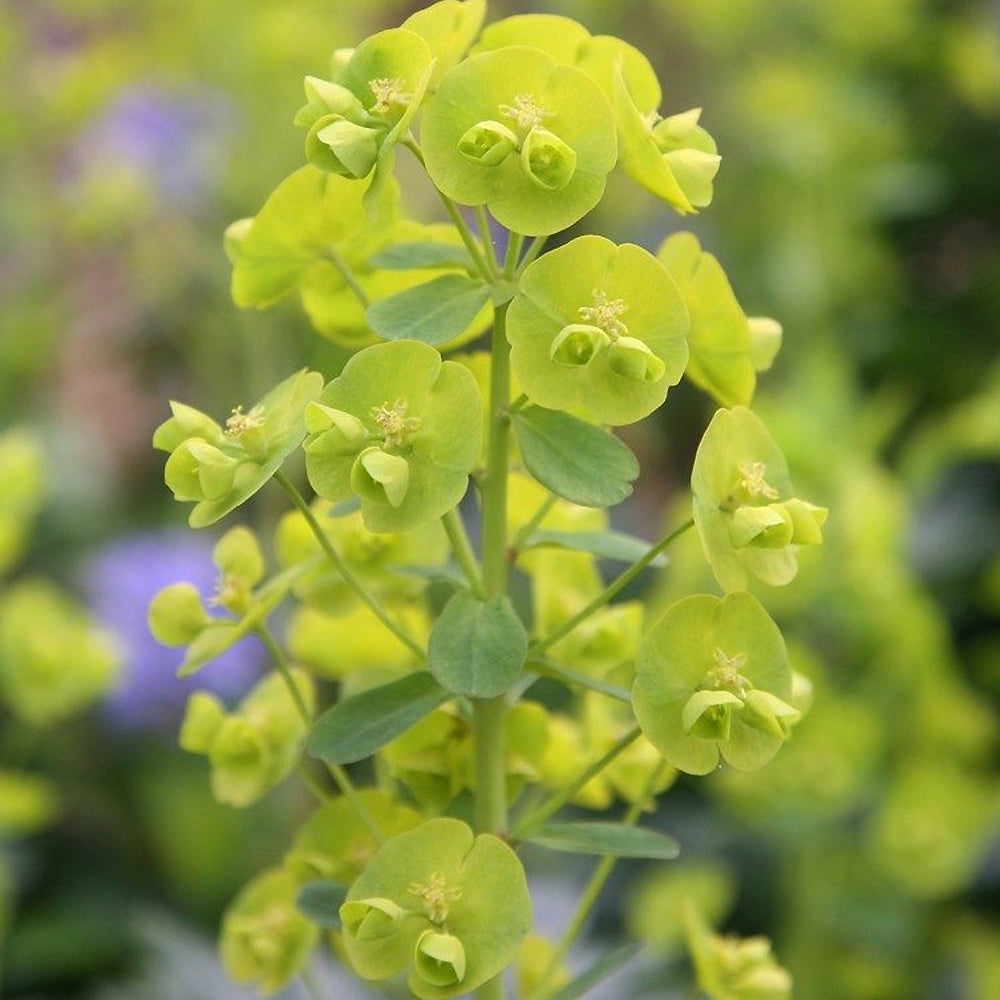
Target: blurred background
858, 203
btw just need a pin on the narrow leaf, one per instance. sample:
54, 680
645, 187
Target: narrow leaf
434, 312
606, 966
420, 255
356, 727
608, 839
320, 902
615, 545
576, 460
477, 648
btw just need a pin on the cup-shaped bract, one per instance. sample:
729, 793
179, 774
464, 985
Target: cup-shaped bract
564, 131
749, 522
265, 940
54, 660
464, 903
220, 468
598, 328
725, 352
733, 968
335, 844
354, 120
253, 748
449, 28
399, 429
712, 677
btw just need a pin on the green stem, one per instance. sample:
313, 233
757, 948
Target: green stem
334, 257
349, 578
536, 247
519, 404
487, 236
554, 804
591, 894
471, 244
338, 774
454, 528
514, 246
319, 791
575, 678
526, 530
606, 595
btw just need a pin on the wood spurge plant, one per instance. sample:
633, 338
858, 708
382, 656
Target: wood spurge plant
450, 669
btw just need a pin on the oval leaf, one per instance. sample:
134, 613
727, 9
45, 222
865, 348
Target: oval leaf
356, 727
434, 312
420, 255
616, 545
576, 460
477, 648
320, 902
608, 839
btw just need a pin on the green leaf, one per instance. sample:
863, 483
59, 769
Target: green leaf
576, 460
320, 902
434, 313
356, 727
604, 967
477, 648
615, 545
420, 254
609, 839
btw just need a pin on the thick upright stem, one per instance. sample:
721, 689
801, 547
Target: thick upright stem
489, 713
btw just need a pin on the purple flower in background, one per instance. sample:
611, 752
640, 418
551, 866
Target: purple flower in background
175, 143
121, 580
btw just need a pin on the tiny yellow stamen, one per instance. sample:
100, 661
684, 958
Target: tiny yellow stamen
651, 118
753, 483
726, 672
240, 422
394, 424
526, 111
605, 313
436, 896
387, 93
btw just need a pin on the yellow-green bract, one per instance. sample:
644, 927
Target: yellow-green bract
598, 328
450, 907
556, 137
712, 677
399, 429
220, 468
744, 510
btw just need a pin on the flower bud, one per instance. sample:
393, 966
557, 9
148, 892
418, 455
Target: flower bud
695, 170
439, 959
547, 160
343, 147
203, 718
380, 477
176, 615
577, 344
488, 143
197, 470
371, 919
768, 527
709, 714
630, 357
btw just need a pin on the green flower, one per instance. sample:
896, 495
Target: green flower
673, 157
598, 328
450, 907
727, 347
448, 27
399, 429
712, 677
354, 120
220, 468
334, 843
23, 488
532, 140
53, 660
748, 520
732, 968
265, 940
177, 616
253, 748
